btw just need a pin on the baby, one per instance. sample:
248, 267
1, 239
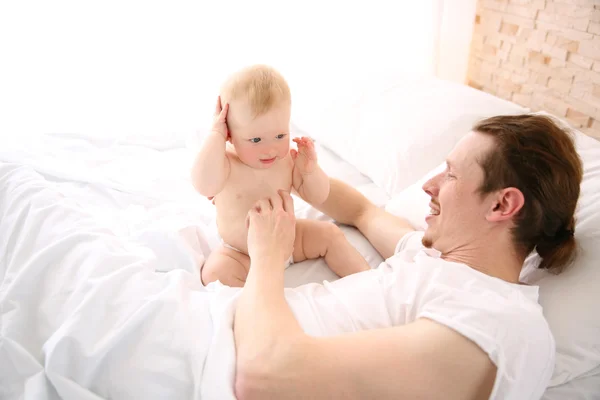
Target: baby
253, 115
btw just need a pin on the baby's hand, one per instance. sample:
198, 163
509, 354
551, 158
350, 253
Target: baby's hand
305, 158
220, 120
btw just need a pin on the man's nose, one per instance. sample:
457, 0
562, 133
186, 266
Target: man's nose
431, 187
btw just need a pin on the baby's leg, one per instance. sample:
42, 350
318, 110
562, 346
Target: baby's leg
316, 239
226, 265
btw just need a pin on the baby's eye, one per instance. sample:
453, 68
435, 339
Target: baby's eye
255, 140
280, 136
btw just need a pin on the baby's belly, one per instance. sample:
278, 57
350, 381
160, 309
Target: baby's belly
232, 229
232, 206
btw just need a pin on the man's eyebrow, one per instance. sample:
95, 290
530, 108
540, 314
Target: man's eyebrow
449, 164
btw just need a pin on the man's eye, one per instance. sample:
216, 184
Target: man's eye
255, 140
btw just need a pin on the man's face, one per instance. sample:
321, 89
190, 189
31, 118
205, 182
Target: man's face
260, 142
458, 212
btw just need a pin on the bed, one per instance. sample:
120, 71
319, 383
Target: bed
99, 242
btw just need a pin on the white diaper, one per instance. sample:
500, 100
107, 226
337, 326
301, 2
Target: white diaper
289, 262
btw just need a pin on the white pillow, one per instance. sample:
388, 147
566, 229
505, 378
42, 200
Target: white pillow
413, 203
570, 300
396, 131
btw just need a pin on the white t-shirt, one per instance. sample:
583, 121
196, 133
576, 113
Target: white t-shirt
504, 319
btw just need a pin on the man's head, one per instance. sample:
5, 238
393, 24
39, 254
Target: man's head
259, 115
514, 178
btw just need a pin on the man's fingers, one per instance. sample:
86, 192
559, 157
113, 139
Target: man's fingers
276, 202
263, 205
287, 201
252, 215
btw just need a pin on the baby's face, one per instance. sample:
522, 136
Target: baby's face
261, 141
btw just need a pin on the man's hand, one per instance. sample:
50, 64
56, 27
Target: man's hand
305, 158
220, 120
272, 228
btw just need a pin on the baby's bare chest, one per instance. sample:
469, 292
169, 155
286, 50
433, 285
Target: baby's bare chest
245, 186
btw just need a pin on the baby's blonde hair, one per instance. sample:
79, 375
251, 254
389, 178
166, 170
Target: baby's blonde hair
260, 85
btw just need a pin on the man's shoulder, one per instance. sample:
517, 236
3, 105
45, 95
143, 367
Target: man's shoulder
410, 241
503, 320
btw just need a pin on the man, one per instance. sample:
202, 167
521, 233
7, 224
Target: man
468, 329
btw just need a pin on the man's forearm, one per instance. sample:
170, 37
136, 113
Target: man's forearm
262, 310
344, 203
348, 206
265, 328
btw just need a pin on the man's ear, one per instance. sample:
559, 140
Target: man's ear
507, 203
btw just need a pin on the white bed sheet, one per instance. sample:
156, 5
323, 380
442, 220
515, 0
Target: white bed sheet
142, 190
65, 206
585, 387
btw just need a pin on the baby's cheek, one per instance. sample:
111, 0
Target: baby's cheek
246, 153
284, 149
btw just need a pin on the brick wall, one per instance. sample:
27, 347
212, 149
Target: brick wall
542, 54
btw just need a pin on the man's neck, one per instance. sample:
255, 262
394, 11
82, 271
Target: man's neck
492, 257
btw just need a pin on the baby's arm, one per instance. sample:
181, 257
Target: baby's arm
211, 166
309, 180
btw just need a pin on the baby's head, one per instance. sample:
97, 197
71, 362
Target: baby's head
259, 115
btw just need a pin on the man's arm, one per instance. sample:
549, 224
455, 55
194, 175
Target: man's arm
348, 206
420, 360
276, 359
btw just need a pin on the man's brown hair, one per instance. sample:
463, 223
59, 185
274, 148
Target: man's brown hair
538, 157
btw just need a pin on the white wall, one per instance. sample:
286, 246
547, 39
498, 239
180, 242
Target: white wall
115, 67
455, 33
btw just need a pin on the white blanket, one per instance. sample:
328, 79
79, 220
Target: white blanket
84, 314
